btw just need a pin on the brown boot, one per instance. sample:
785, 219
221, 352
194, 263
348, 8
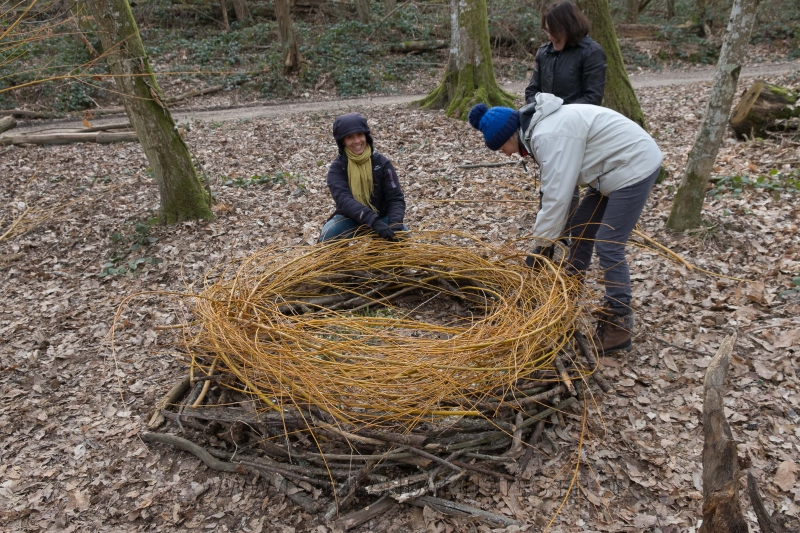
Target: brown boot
614, 329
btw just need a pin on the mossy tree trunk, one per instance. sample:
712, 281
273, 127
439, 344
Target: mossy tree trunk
469, 75
688, 204
619, 94
292, 60
182, 195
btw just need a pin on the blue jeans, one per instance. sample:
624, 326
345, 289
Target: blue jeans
342, 227
604, 224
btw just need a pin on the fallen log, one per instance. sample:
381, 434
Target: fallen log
722, 512
26, 114
7, 123
69, 138
418, 46
760, 107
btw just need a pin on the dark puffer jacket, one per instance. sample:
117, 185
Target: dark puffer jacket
576, 74
387, 197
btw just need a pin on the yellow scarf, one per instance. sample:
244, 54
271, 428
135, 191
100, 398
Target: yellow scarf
359, 176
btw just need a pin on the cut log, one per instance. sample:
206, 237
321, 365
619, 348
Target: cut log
761, 105
721, 510
6, 123
27, 114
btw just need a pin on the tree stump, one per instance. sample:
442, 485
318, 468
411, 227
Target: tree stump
761, 105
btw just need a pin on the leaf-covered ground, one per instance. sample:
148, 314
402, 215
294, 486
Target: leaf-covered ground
70, 455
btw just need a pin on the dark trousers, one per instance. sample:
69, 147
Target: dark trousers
604, 224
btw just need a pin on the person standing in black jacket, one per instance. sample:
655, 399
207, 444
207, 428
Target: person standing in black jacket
572, 65
363, 184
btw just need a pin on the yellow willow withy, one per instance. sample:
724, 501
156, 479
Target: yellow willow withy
442, 321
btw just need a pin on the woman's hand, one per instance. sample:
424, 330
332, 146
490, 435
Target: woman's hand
382, 229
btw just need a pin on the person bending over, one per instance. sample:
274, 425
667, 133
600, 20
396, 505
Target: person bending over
599, 148
363, 184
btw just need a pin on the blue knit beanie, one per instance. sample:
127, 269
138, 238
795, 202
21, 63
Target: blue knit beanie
497, 124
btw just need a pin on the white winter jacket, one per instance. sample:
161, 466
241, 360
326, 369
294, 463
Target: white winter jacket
584, 145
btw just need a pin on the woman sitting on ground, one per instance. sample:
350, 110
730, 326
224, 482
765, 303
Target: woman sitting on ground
363, 184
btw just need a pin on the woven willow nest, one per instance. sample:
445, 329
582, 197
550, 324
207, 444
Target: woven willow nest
344, 365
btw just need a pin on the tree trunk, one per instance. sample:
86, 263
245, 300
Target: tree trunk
701, 11
721, 510
225, 24
761, 105
633, 11
389, 6
688, 203
619, 94
182, 195
670, 9
240, 8
82, 25
469, 74
292, 60
362, 11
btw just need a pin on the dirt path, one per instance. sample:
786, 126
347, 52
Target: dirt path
649, 79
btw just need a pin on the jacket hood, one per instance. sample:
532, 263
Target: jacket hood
348, 124
530, 115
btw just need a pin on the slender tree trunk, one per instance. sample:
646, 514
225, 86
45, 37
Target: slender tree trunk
619, 94
240, 8
182, 195
362, 11
701, 11
82, 25
225, 24
633, 11
291, 51
688, 204
389, 6
469, 75
670, 9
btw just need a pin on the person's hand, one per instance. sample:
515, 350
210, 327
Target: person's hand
385, 232
556, 253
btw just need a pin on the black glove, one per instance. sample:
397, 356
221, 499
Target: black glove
558, 252
384, 231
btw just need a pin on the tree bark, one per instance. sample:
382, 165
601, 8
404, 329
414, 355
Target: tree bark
362, 11
761, 105
619, 94
181, 193
469, 74
688, 203
633, 11
721, 510
225, 24
389, 6
240, 8
670, 9
291, 51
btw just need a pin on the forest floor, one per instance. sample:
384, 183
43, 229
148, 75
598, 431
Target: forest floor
71, 411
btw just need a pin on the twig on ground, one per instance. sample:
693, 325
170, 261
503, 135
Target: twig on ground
455, 508
684, 348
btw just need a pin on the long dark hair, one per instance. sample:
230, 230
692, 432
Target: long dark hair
564, 18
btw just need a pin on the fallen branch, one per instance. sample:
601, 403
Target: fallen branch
366, 514
537, 434
198, 451
7, 123
676, 346
766, 523
460, 509
172, 396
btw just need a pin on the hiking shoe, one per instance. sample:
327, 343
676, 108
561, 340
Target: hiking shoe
614, 330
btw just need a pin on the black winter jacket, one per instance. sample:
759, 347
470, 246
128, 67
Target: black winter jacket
577, 74
387, 197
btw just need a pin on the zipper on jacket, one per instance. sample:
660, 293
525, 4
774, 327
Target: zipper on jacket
555, 65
